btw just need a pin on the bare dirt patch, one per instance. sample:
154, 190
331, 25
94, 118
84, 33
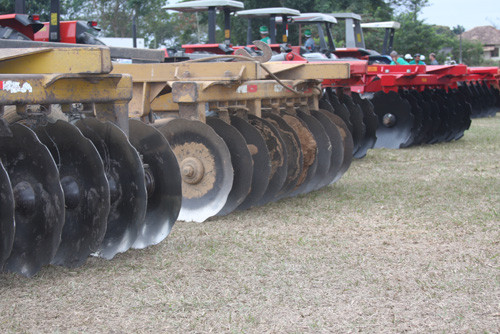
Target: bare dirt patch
407, 241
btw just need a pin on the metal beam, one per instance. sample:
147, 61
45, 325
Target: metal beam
54, 27
20, 7
149, 55
211, 25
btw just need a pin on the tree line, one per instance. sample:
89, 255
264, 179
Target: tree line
162, 29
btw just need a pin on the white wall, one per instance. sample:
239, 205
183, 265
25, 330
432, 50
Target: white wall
122, 42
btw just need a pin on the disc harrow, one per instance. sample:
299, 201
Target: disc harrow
85, 188
98, 162
413, 104
38, 198
395, 112
98, 158
7, 223
480, 88
374, 117
77, 178
218, 116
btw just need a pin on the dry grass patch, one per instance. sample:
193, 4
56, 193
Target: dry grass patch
407, 241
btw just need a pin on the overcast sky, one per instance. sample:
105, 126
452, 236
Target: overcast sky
468, 13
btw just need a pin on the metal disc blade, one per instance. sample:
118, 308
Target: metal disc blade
449, 113
324, 103
356, 117
461, 115
479, 103
483, 96
85, 188
394, 120
295, 158
309, 149
434, 115
39, 200
346, 141
480, 96
465, 93
496, 93
277, 156
163, 183
324, 153
7, 224
494, 99
465, 114
475, 99
261, 163
469, 91
489, 98
444, 115
425, 108
417, 124
205, 165
456, 116
337, 156
371, 122
125, 175
241, 159
339, 109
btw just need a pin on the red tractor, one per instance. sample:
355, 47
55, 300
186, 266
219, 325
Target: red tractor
22, 26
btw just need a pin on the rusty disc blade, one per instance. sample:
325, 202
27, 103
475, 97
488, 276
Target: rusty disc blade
324, 150
39, 201
86, 191
7, 224
163, 183
309, 149
337, 156
294, 152
125, 174
205, 166
241, 159
346, 141
395, 120
261, 162
277, 155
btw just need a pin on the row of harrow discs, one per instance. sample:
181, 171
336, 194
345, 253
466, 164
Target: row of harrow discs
97, 159
96, 162
396, 106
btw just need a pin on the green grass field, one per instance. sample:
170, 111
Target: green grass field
407, 241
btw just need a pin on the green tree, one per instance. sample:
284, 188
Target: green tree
32, 7
417, 37
412, 7
115, 18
